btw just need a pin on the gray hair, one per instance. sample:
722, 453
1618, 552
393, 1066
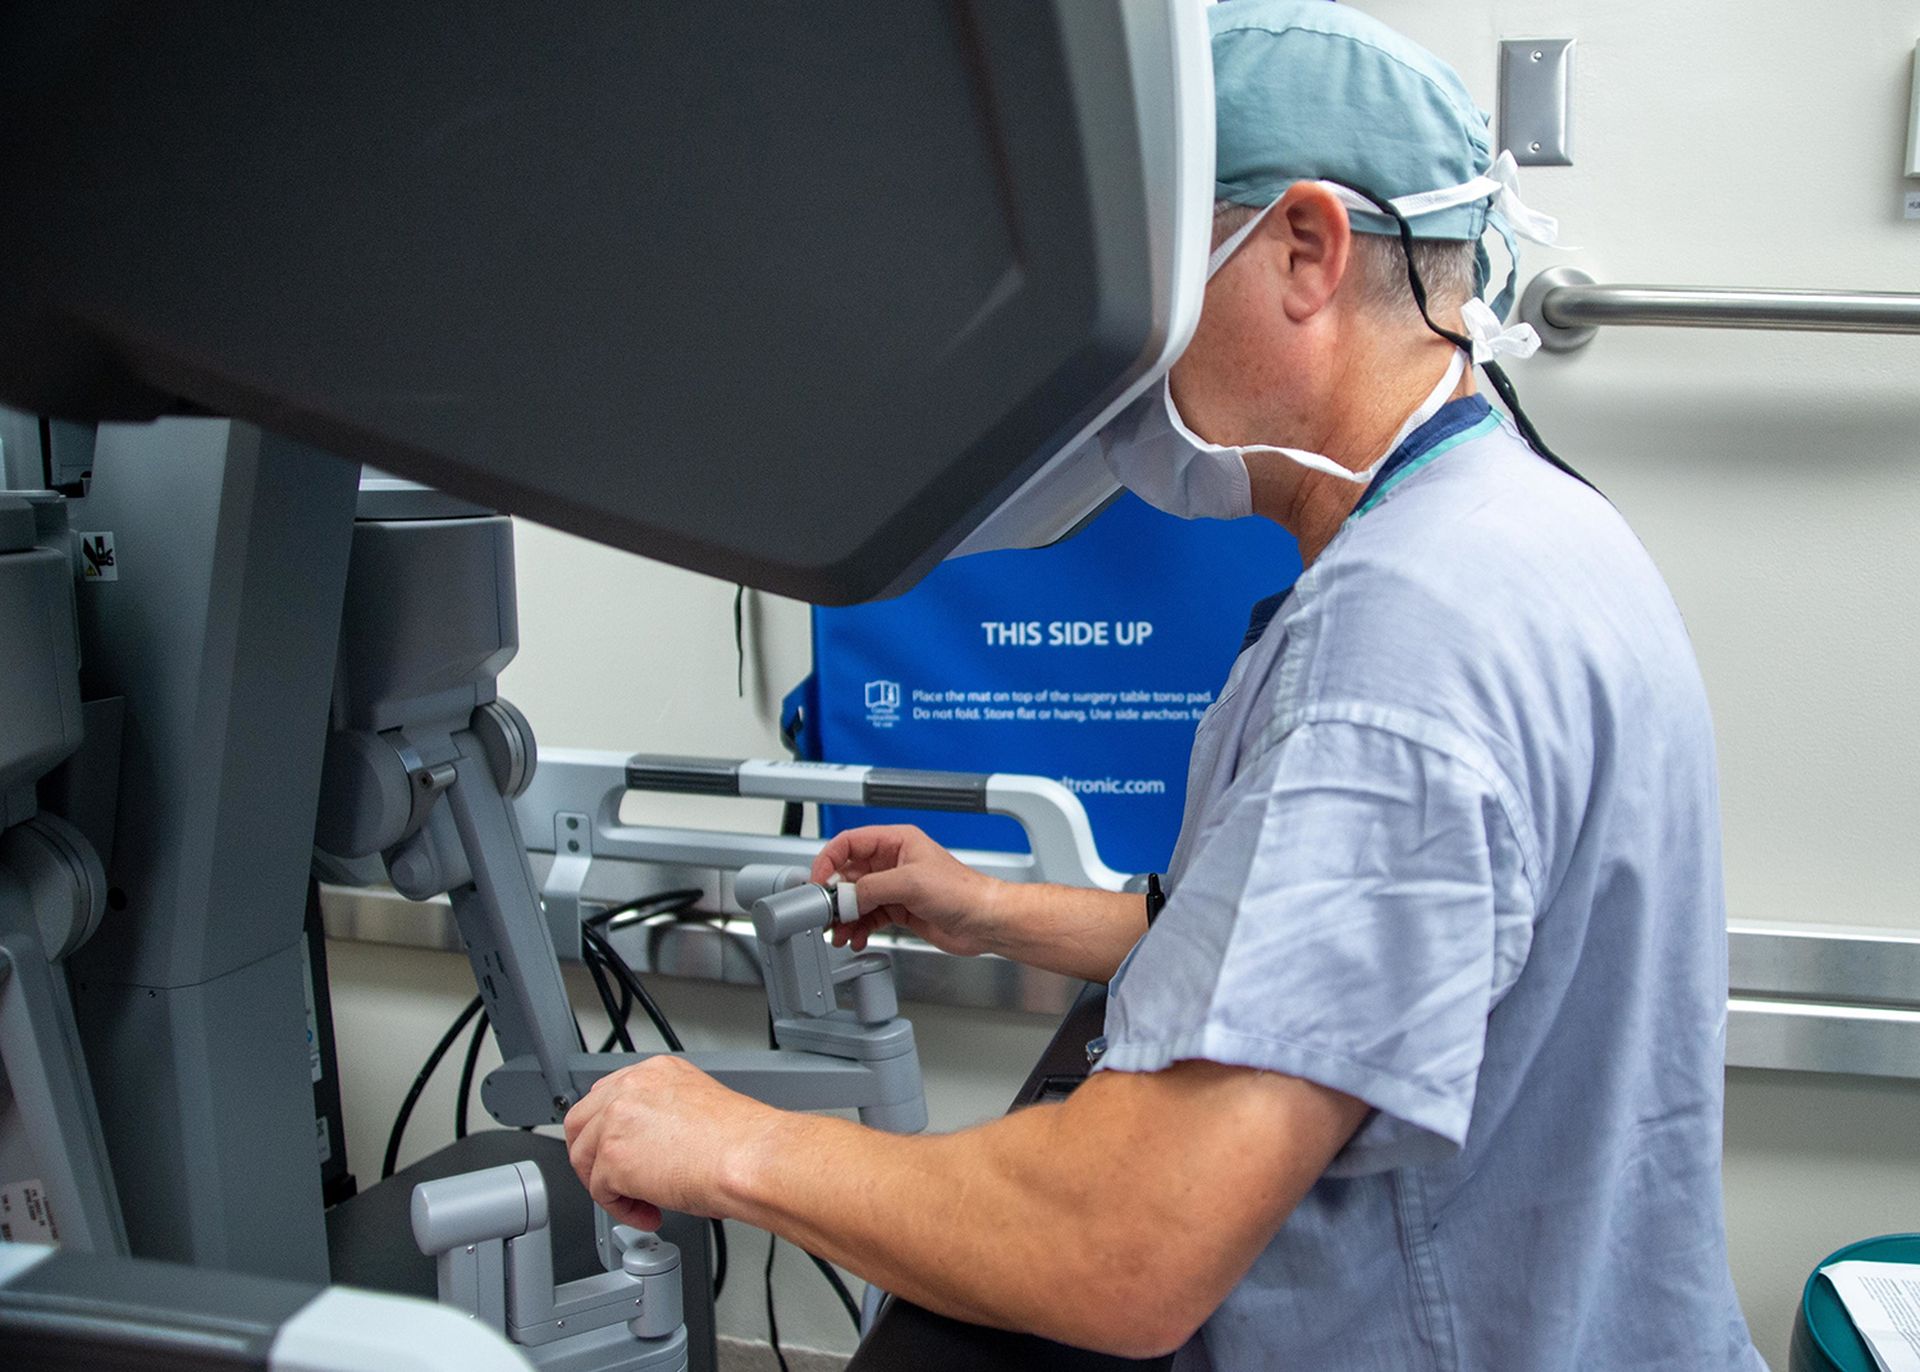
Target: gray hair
1377, 268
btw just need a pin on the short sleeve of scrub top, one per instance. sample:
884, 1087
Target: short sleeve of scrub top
1351, 912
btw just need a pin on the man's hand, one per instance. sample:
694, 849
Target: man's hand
659, 1135
905, 878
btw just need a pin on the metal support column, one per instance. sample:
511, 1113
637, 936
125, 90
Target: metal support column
220, 630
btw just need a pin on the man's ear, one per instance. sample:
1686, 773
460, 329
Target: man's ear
1315, 238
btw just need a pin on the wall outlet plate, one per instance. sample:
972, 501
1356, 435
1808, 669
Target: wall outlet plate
1536, 101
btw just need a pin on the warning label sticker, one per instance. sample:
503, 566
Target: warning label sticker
24, 1216
96, 558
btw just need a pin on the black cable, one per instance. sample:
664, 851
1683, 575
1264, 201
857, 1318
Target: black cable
1496, 374
631, 983
793, 815
672, 901
597, 941
420, 1084
596, 968
839, 1289
619, 1031
740, 641
465, 1093
773, 1322
719, 1257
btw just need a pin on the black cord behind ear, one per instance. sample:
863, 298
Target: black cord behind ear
1496, 374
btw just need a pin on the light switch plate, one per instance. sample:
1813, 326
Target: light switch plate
1913, 119
1536, 101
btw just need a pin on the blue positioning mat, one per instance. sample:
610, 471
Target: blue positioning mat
1089, 662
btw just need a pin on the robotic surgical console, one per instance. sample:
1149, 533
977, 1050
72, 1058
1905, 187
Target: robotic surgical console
676, 277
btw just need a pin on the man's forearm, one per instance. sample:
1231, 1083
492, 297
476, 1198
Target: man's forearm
1067, 929
905, 1212
1117, 1220
994, 1225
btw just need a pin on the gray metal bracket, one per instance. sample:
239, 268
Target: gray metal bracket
567, 879
1555, 338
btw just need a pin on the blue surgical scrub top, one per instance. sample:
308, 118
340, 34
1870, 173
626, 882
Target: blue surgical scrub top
1452, 846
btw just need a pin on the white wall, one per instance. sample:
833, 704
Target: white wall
618, 652
1775, 477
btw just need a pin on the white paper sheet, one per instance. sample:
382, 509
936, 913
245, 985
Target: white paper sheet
1883, 1299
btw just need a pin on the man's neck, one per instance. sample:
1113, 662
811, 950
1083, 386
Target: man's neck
1355, 425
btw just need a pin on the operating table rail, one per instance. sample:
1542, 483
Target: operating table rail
1566, 306
571, 809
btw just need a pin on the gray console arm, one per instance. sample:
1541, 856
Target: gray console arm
863, 1057
886, 1090
45, 865
433, 801
488, 1233
504, 929
40, 1052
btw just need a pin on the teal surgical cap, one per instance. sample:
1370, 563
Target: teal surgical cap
1306, 90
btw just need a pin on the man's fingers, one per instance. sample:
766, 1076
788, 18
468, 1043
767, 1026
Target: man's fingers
605, 1188
638, 1213
857, 853
583, 1146
895, 886
584, 1109
830, 859
857, 932
599, 1186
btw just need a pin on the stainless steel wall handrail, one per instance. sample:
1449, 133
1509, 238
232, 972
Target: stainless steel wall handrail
1565, 306
1804, 998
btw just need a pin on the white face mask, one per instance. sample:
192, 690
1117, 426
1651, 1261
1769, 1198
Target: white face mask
1153, 453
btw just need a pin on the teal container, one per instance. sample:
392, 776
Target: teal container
1823, 1336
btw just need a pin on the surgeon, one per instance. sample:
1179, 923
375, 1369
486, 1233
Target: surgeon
1418, 1062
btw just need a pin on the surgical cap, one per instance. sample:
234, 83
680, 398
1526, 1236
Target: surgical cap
1308, 90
